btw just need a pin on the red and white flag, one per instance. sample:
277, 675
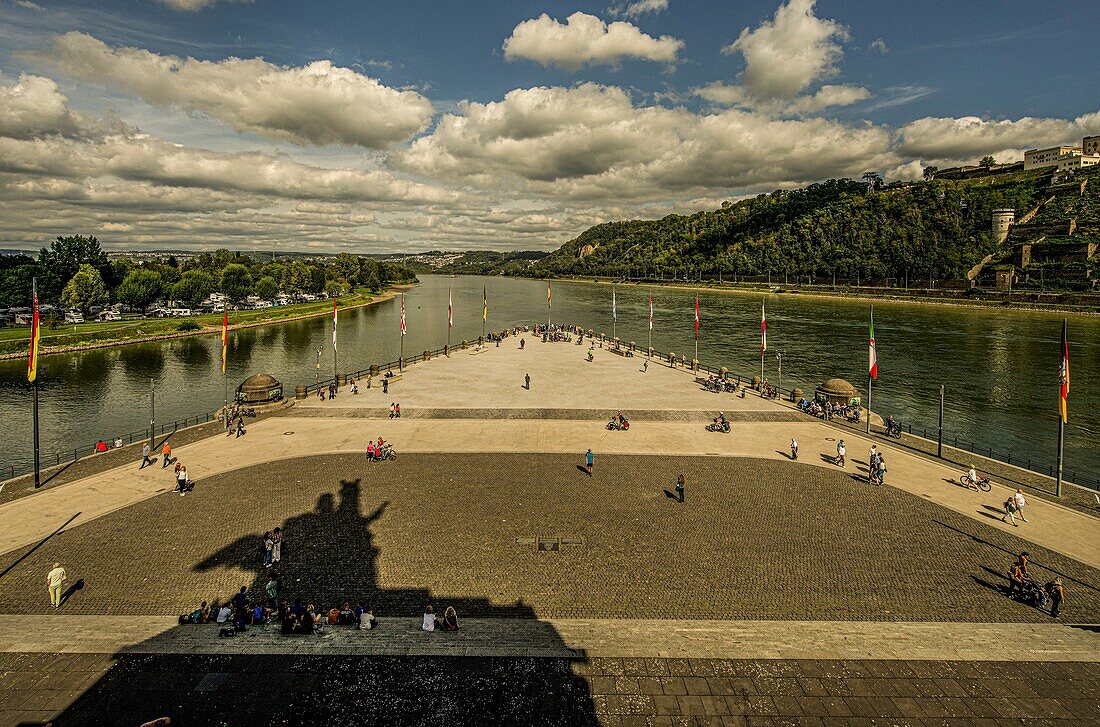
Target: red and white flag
402, 314
763, 329
333, 324
651, 311
450, 311
696, 318
872, 356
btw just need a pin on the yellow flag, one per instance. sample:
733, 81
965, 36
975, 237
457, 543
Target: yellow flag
32, 359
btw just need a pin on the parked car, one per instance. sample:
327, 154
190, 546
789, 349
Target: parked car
74, 316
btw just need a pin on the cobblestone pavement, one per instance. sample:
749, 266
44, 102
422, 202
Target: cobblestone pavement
756, 539
333, 691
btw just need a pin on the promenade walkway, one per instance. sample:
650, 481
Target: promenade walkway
611, 383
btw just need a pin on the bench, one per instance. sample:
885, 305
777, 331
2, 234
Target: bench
621, 351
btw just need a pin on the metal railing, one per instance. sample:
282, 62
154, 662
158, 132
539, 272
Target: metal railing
78, 453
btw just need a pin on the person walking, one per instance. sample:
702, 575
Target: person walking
1020, 503
1010, 510
240, 426
166, 450
794, 448
1057, 593
385, 385
272, 591
840, 452
527, 381
276, 545
393, 409
589, 460
268, 545
181, 480
880, 471
397, 411
55, 580
145, 458
645, 366
680, 481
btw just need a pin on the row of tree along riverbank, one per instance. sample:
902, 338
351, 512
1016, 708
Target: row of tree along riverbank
1066, 302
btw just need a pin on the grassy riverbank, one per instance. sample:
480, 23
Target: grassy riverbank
1055, 302
70, 338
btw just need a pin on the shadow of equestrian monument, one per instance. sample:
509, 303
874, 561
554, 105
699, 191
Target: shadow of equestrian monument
330, 558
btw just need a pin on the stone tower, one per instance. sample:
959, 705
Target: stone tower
1002, 221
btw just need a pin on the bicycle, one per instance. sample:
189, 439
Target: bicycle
982, 483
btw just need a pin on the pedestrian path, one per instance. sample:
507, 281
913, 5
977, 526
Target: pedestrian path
569, 638
465, 383
29, 519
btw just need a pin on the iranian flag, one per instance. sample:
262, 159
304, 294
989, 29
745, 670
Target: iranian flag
651, 311
872, 358
402, 314
450, 311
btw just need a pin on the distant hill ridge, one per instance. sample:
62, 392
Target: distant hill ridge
936, 229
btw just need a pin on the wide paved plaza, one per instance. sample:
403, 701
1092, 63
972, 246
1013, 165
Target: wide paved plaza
778, 592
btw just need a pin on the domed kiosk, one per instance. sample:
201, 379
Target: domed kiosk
260, 389
838, 392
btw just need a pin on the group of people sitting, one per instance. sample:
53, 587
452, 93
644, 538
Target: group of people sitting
827, 410
298, 618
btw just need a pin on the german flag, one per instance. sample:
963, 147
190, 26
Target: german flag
36, 335
1064, 375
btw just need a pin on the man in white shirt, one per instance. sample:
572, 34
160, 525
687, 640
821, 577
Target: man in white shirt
223, 614
1020, 502
55, 579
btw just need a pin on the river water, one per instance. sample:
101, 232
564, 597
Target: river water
1000, 368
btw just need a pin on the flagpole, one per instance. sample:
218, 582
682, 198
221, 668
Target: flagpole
650, 347
335, 376
869, 377
1061, 417
614, 315
225, 368
763, 342
401, 355
450, 319
37, 471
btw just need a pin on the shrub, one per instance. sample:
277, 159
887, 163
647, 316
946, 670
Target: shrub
188, 326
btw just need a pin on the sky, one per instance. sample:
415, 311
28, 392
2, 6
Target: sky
378, 127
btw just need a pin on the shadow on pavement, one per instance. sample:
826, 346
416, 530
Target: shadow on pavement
330, 557
38, 545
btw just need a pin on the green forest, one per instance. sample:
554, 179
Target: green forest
934, 229
75, 272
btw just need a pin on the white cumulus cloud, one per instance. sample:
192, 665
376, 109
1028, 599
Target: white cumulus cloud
786, 54
586, 40
968, 138
592, 142
315, 104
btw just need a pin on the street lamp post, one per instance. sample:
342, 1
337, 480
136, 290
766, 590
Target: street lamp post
779, 357
318, 378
